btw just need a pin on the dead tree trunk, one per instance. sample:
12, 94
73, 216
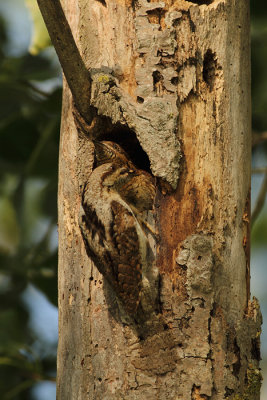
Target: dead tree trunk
170, 82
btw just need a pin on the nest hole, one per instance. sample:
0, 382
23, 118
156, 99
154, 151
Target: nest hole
255, 349
127, 139
157, 79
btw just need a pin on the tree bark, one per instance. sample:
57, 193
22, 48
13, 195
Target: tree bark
171, 83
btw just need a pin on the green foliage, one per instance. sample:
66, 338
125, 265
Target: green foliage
29, 136
259, 101
259, 55
40, 37
260, 232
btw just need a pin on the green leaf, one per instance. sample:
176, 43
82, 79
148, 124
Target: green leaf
40, 38
9, 231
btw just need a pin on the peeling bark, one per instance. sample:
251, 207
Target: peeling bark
170, 83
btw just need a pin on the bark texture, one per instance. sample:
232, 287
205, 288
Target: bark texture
172, 80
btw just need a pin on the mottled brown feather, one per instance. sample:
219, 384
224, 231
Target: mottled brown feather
113, 199
127, 242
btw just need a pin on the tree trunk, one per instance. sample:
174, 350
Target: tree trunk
171, 84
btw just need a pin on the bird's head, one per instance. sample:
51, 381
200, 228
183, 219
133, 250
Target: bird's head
107, 152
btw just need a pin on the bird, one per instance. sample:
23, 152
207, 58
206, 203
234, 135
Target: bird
113, 201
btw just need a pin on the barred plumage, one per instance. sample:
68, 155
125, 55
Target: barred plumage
114, 198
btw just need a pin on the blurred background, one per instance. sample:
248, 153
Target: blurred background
30, 103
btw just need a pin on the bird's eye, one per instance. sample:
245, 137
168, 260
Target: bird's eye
124, 171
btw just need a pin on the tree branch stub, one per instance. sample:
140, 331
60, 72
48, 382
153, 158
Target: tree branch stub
76, 73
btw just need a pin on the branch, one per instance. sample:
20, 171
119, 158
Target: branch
74, 68
262, 170
260, 200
